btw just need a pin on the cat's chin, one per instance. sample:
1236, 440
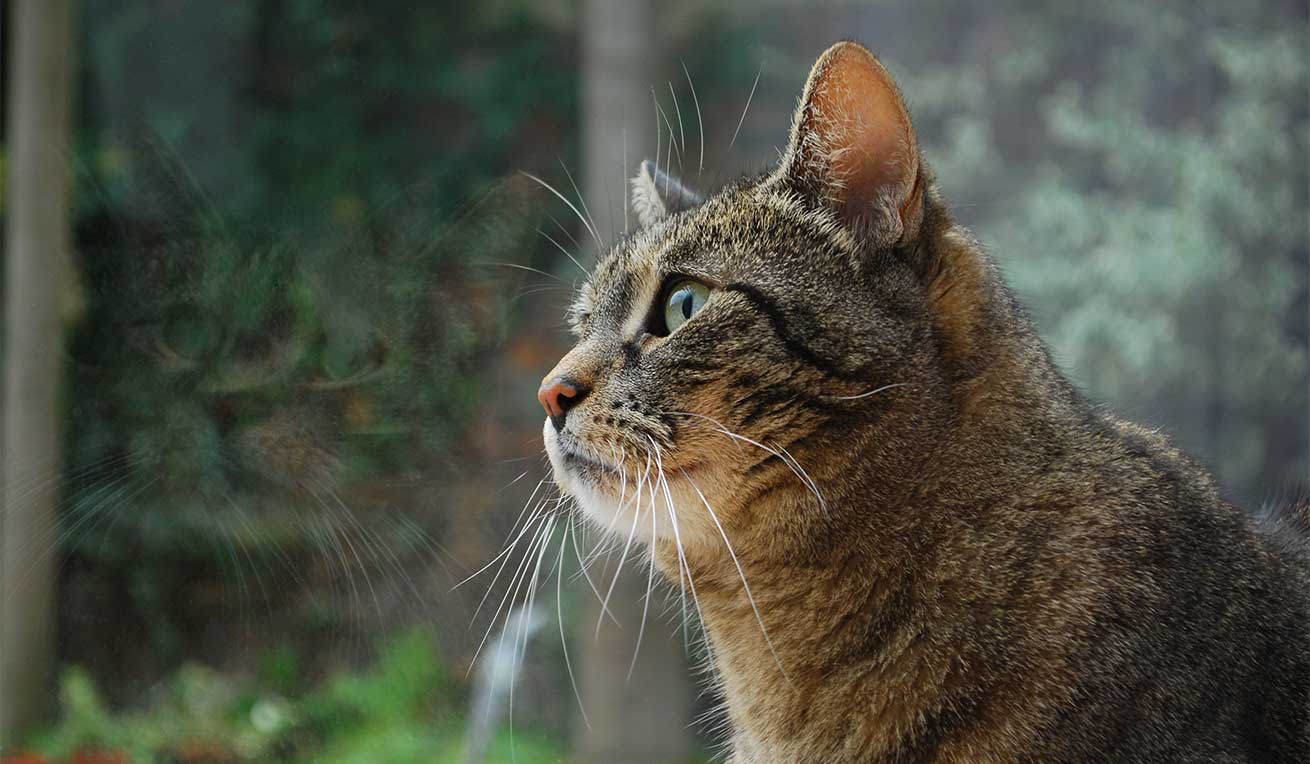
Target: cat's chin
597, 489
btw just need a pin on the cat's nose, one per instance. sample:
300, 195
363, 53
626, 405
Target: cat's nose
558, 395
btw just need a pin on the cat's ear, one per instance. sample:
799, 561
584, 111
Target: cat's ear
656, 194
853, 147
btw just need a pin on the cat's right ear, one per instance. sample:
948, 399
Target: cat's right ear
853, 148
656, 194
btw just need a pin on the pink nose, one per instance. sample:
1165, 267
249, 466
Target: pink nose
557, 396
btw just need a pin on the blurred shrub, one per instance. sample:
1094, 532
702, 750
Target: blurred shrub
286, 209
1142, 175
397, 711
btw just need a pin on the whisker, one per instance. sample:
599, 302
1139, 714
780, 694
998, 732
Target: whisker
491, 586
45, 481
509, 545
740, 572
511, 591
673, 144
645, 606
746, 109
39, 481
50, 538
581, 199
561, 248
531, 595
700, 124
221, 540
780, 452
786, 459
528, 268
582, 569
565, 230
625, 180
677, 537
590, 229
864, 395
682, 136
559, 617
626, 546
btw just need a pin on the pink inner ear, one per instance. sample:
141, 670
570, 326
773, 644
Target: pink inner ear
856, 141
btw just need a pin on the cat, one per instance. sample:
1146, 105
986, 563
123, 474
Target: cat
907, 535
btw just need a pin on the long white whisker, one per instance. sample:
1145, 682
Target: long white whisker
740, 572
245, 549
682, 136
594, 233
511, 591
700, 123
658, 132
625, 180
683, 563
673, 144
582, 568
527, 268
626, 546
531, 605
779, 452
559, 616
581, 198
746, 109
791, 463
536, 515
863, 395
645, 605
509, 545
561, 248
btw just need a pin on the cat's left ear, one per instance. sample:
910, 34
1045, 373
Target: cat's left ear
656, 194
853, 147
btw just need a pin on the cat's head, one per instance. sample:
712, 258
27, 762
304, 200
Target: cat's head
748, 360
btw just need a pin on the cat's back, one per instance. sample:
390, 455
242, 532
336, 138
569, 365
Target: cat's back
1199, 641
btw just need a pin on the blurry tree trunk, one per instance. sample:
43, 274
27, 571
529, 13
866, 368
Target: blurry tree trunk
37, 257
645, 718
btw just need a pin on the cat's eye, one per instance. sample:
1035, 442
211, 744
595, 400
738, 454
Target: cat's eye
682, 300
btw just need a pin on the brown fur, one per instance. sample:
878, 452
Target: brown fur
971, 564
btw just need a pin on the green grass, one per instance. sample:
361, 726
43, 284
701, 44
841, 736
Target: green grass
402, 709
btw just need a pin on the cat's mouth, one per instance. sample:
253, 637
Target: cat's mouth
580, 460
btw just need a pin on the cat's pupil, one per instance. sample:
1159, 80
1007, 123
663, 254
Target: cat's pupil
684, 298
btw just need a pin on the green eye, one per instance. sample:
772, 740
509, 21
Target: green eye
683, 300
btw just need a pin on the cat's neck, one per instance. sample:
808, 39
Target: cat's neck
875, 595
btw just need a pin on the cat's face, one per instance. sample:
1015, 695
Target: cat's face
732, 346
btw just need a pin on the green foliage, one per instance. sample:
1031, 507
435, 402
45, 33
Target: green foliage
279, 207
397, 711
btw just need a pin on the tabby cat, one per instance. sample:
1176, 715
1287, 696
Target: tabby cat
908, 536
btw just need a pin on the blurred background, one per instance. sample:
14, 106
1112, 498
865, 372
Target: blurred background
282, 277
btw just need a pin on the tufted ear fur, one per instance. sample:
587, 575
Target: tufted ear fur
656, 194
853, 148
